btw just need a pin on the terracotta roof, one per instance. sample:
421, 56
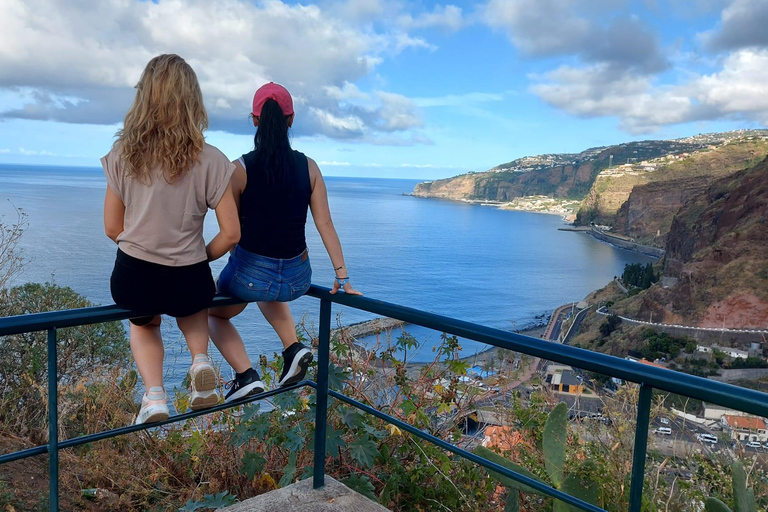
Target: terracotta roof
503, 437
745, 422
651, 363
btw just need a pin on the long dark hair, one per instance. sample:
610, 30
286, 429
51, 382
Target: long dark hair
272, 148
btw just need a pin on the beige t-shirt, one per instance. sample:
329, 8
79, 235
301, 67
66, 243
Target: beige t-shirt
164, 221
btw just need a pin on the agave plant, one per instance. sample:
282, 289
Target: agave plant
578, 484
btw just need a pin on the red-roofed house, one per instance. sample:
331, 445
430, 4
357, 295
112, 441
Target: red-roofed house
745, 428
502, 437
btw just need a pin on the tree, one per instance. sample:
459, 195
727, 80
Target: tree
11, 256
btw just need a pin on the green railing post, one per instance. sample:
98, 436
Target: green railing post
641, 445
53, 422
321, 407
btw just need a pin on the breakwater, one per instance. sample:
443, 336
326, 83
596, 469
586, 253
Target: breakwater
626, 243
369, 327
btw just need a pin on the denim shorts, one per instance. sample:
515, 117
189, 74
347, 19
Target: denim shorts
251, 277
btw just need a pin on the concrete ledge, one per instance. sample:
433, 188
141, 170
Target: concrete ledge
334, 497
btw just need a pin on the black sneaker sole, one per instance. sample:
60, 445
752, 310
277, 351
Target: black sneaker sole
298, 369
254, 388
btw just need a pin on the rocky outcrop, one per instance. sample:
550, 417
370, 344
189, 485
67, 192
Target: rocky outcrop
717, 249
647, 214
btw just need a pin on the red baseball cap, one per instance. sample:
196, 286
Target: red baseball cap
276, 92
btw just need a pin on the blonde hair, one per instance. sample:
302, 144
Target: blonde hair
164, 126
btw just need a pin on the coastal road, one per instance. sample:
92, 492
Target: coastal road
556, 322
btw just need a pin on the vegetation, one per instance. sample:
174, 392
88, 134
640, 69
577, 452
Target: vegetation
639, 275
611, 324
743, 498
224, 457
580, 484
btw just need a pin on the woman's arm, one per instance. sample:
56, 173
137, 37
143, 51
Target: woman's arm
321, 213
229, 226
114, 215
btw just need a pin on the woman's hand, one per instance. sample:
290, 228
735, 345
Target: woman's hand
347, 288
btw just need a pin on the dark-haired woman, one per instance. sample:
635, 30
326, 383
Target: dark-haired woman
273, 186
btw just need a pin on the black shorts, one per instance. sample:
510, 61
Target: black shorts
152, 289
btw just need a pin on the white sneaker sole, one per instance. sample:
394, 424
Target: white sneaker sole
203, 399
204, 379
153, 414
254, 388
203, 382
298, 368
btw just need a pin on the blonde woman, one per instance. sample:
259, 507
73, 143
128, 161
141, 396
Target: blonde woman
162, 178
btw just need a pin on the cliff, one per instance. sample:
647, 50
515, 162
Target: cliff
717, 258
647, 213
642, 205
563, 181
567, 176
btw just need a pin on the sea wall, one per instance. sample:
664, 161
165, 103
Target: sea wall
368, 327
655, 252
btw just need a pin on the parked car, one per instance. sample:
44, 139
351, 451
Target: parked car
664, 421
707, 438
664, 430
754, 444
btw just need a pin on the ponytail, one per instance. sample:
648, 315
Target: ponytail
271, 144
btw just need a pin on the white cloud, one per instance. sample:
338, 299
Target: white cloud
34, 152
5, 150
448, 17
738, 91
457, 100
574, 27
78, 61
334, 163
339, 126
397, 112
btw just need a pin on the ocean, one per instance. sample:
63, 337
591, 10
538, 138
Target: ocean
503, 269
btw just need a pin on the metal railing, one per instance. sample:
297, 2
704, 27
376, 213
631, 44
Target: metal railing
648, 377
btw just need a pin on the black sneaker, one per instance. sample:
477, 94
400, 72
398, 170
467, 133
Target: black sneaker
245, 384
296, 360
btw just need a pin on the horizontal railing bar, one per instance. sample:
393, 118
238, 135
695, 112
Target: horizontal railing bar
90, 438
747, 400
23, 454
550, 491
734, 397
82, 316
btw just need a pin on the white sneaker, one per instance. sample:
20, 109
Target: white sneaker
203, 383
154, 406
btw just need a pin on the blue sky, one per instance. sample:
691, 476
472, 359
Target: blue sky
386, 88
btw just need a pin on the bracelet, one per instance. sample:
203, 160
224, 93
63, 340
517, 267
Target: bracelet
338, 268
342, 281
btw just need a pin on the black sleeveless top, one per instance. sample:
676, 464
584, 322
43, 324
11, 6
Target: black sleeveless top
273, 217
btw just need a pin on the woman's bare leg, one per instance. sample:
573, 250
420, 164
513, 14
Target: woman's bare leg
226, 337
195, 329
148, 352
278, 314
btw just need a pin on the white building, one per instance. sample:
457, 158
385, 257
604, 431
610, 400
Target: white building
745, 428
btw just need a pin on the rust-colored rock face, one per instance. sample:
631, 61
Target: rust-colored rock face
647, 214
718, 249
